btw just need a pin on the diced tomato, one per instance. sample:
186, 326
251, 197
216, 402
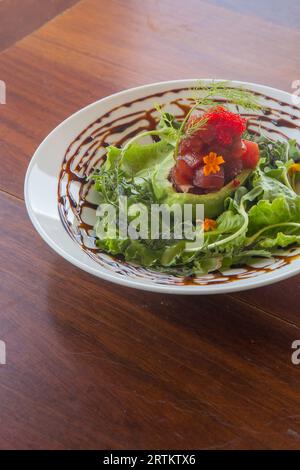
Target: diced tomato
220, 134
208, 133
205, 134
251, 156
192, 160
214, 181
232, 168
183, 172
185, 146
184, 168
179, 178
238, 148
192, 144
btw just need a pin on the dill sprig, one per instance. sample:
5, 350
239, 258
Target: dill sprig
205, 95
212, 94
196, 126
114, 183
166, 119
223, 89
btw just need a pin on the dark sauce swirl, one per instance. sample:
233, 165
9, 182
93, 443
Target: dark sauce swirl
77, 201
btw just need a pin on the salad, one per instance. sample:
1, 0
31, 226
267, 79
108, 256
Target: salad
247, 183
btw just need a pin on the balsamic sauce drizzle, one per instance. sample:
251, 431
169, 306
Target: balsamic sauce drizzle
87, 151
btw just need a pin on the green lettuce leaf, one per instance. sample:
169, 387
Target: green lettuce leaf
281, 240
207, 265
229, 222
172, 253
112, 157
137, 158
294, 151
279, 210
271, 187
244, 257
262, 216
168, 128
115, 246
139, 252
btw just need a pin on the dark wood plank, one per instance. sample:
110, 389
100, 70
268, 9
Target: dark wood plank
285, 13
136, 369
281, 299
133, 369
21, 17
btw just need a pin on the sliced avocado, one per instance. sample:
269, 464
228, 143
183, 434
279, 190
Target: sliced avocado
213, 202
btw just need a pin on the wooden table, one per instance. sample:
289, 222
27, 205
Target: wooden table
94, 365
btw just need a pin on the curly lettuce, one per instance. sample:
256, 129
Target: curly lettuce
261, 216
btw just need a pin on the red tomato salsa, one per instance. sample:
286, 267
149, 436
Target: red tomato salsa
212, 152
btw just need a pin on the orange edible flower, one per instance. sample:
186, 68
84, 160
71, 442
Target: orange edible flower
212, 163
209, 224
294, 168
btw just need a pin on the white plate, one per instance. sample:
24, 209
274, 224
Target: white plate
58, 224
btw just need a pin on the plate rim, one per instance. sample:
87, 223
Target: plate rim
102, 272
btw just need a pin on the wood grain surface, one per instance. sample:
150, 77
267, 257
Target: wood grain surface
94, 365
21, 17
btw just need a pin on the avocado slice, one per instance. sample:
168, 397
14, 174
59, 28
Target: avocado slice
213, 202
